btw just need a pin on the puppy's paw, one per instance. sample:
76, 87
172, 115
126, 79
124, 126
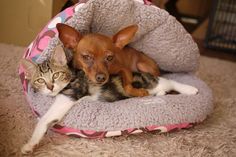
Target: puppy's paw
189, 90
139, 92
27, 149
134, 92
143, 92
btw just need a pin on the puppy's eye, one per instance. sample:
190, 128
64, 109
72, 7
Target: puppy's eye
55, 75
86, 57
41, 81
110, 58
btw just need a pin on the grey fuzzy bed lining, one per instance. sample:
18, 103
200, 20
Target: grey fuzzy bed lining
161, 37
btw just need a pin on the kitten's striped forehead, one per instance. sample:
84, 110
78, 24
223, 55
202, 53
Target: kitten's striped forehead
45, 67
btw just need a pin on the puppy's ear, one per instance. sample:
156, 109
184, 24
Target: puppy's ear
68, 35
124, 36
29, 68
58, 56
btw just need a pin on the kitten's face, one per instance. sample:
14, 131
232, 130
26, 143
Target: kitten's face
51, 76
50, 79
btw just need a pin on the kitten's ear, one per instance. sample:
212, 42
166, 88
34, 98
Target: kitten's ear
29, 67
58, 56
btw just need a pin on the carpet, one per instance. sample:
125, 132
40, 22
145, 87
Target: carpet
216, 136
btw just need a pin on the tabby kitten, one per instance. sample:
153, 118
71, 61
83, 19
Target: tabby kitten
55, 78
49, 77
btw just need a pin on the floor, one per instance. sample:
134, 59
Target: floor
225, 55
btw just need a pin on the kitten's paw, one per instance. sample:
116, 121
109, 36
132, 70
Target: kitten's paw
88, 98
161, 93
190, 90
27, 149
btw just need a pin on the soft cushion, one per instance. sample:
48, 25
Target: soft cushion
161, 37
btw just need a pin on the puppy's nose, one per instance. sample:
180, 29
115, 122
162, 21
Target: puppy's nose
100, 77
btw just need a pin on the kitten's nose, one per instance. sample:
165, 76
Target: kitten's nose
50, 86
101, 77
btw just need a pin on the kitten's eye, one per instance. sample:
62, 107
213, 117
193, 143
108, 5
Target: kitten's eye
110, 58
41, 81
55, 75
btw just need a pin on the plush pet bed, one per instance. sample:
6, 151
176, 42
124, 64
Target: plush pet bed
161, 37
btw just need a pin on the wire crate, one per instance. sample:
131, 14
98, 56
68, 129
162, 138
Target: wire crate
221, 33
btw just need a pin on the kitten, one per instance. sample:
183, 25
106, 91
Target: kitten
50, 77
55, 77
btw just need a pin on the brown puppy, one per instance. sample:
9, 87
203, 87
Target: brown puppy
99, 56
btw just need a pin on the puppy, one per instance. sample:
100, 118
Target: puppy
99, 56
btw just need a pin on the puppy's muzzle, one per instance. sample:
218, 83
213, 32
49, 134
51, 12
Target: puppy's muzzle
101, 77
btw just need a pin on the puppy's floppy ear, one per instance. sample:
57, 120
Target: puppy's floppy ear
58, 56
124, 36
29, 68
68, 35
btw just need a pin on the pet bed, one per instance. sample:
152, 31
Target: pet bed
161, 37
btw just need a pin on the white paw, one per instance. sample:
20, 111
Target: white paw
161, 93
189, 90
87, 98
27, 149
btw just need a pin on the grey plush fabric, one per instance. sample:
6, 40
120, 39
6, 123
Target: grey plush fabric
136, 112
161, 37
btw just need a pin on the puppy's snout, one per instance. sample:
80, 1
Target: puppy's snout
100, 77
